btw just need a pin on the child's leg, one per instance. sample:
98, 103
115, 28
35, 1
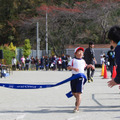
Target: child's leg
75, 95
78, 100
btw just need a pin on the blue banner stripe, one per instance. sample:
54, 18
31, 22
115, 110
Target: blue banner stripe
31, 86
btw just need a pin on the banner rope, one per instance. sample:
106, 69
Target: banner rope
32, 86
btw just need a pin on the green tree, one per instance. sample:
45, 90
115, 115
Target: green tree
8, 54
26, 48
12, 47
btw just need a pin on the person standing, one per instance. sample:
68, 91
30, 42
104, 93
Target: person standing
42, 62
64, 62
68, 58
59, 63
89, 56
14, 61
23, 62
27, 61
111, 59
53, 62
114, 37
37, 63
32, 63
46, 63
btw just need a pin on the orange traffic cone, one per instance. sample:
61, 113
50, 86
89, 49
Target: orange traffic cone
105, 72
102, 72
114, 72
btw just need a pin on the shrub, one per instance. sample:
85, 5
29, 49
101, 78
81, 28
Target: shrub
7, 54
26, 48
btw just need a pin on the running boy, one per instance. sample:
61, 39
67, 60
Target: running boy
77, 65
114, 37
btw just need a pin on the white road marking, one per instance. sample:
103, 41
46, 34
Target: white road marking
20, 117
74, 118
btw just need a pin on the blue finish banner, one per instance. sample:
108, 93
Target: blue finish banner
32, 86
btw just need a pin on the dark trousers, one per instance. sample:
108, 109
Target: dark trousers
111, 69
47, 67
13, 67
59, 66
64, 66
27, 67
37, 66
90, 73
1, 72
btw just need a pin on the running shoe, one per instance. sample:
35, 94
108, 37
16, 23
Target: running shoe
76, 111
91, 79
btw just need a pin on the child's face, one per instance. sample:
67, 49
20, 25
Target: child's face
79, 54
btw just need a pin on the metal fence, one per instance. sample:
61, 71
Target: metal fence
33, 53
98, 52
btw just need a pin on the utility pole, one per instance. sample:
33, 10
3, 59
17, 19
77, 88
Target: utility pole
38, 41
46, 39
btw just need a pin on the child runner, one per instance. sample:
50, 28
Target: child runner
114, 37
77, 65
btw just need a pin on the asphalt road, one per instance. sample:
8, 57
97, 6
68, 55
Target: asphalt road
99, 102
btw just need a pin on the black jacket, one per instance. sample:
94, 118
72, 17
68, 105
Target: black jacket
117, 56
89, 55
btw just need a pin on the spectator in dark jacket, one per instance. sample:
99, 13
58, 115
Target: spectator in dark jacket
46, 63
27, 61
114, 37
42, 61
37, 61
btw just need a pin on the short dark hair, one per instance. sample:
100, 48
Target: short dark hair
91, 43
114, 34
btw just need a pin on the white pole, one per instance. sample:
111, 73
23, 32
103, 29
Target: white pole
38, 41
46, 33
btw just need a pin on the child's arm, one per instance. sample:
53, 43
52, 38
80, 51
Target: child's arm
71, 68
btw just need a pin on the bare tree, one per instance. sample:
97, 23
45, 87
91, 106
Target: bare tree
79, 24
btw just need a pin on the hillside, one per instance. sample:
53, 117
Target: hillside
69, 21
